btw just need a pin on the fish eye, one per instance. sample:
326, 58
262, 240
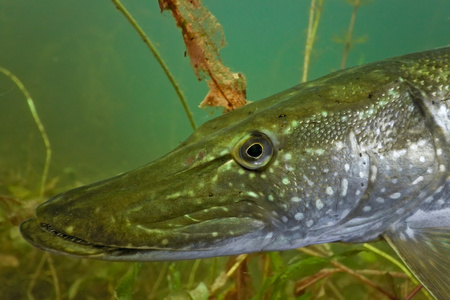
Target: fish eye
254, 151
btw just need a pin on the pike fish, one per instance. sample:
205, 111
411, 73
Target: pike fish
359, 154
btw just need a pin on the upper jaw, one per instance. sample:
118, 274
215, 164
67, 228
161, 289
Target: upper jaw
41, 237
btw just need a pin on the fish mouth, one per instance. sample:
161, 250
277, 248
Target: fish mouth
48, 228
223, 235
46, 237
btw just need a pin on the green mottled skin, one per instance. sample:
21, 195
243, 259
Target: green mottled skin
352, 156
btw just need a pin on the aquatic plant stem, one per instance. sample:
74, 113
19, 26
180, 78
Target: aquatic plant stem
239, 260
190, 284
35, 276
392, 260
158, 57
158, 281
51, 266
362, 278
335, 290
37, 120
314, 17
348, 38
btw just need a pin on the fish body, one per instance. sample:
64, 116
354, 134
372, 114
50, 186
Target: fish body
352, 156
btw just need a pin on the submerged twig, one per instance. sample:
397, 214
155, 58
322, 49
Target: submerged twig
239, 260
239, 272
315, 11
362, 278
351, 272
37, 120
392, 260
158, 57
414, 292
301, 285
398, 264
204, 37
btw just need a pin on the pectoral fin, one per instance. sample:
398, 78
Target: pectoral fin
426, 252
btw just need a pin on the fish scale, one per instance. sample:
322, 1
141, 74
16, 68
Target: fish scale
353, 156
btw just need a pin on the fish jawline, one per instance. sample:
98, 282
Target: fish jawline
45, 237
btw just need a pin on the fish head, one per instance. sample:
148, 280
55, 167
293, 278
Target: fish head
275, 174
220, 192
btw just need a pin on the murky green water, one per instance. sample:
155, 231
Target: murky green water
108, 107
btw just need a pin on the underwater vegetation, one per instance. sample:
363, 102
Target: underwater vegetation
330, 271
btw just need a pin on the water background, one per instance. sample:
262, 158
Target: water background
108, 107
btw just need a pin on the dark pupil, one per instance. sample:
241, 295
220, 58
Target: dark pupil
255, 150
